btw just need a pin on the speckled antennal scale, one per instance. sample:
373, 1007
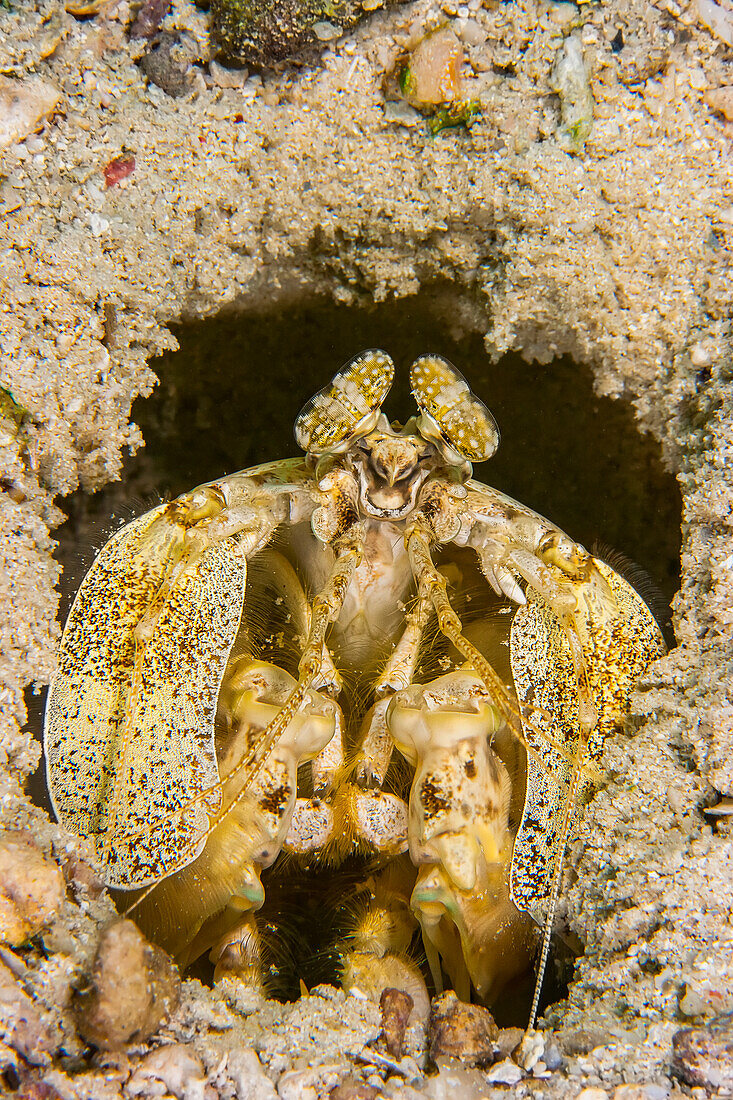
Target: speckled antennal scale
362, 655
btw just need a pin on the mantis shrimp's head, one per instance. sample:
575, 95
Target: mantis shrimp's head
453, 429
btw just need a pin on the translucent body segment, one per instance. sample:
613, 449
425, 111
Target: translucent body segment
380, 931
616, 652
347, 406
170, 757
256, 815
443, 395
262, 690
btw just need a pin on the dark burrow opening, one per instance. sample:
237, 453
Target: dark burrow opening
228, 398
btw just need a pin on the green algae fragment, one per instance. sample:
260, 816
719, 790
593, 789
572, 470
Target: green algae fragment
12, 411
570, 80
454, 114
407, 82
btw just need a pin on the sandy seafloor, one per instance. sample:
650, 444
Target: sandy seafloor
298, 183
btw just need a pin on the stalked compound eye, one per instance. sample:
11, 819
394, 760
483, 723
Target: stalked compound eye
449, 411
348, 407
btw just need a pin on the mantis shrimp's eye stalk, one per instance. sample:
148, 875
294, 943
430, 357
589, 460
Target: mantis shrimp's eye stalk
348, 407
450, 413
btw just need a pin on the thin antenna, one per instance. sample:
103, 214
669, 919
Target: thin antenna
559, 861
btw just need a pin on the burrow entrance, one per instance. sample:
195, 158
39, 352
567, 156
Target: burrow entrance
227, 400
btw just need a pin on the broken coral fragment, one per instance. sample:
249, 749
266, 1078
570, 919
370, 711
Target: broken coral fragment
464, 1031
432, 74
430, 80
31, 889
24, 104
133, 988
570, 80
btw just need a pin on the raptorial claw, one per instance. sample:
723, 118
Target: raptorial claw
459, 826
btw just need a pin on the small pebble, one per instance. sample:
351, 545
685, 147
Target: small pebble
227, 78
691, 1003
22, 1025
700, 355
396, 1006
351, 1089
563, 13
583, 1040
325, 31
656, 1092
402, 114
463, 1031
98, 224
167, 64
507, 1041
531, 1049
176, 1067
504, 1073
717, 18
249, 1080
309, 1084
24, 104
78, 873
472, 33
703, 1056
721, 100
553, 1057
132, 989
149, 18
640, 1092
32, 889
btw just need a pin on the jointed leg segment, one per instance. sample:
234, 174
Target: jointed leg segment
326, 609
432, 586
